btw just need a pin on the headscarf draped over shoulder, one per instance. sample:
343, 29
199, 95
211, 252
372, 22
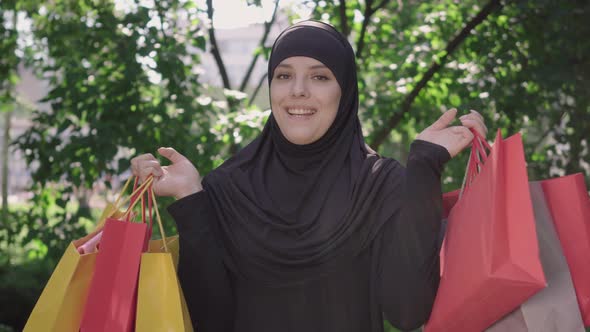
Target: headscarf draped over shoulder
287, 212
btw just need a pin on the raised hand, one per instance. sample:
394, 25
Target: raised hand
179, 179
454, 138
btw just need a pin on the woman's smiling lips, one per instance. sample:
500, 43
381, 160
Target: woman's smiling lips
299, 112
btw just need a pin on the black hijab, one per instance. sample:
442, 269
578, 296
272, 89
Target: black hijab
289, 213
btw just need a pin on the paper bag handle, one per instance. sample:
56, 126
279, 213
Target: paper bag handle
135, 195
477, 158
159, 220
116, 204
149, 190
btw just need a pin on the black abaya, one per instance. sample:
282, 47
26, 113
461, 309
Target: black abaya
394, 277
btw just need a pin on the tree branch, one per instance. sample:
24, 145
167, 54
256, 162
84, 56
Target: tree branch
343, 18
267, 26
258, 86
215, 48
393, 121
379, 6
360, 43
5, 165
369, 11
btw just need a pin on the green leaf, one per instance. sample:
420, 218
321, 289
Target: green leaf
454, 100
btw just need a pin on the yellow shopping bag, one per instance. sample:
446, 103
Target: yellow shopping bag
171, 243
61, 304
160, 301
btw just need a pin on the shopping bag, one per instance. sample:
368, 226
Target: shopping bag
60, 305
490, 255
59, 308
554, 308
568, 201
172, 245
111, 301
173, 248
160, 301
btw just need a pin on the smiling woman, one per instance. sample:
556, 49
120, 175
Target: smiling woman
304, 98
307, 228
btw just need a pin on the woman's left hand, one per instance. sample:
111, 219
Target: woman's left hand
454, 138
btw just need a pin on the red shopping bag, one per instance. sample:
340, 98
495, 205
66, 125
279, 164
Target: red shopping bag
553, 308
567, 198
112, 298
490, 256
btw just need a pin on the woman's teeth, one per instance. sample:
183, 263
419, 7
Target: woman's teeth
300, 111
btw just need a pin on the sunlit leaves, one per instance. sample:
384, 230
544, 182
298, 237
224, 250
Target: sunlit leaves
125, 79
514, 63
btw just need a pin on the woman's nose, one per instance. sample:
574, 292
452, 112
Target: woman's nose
299, 88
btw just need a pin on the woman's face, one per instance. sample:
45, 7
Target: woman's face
304, 97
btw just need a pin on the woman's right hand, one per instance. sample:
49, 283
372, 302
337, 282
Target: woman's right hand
179, 179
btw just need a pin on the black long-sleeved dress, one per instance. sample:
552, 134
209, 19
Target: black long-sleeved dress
396, 278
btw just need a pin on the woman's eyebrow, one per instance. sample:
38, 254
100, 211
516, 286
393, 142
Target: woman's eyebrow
318, 67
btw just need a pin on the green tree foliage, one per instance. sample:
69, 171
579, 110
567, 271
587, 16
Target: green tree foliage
522, 66
125, 81
9, 59
8, 77
118, 81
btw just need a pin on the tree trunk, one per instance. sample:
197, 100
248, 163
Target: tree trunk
5, 146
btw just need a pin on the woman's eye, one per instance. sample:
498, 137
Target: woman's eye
282, 76
321, 77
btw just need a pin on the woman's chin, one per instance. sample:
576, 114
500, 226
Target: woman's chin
300, 139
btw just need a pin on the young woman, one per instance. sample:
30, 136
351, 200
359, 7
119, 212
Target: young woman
307, 228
